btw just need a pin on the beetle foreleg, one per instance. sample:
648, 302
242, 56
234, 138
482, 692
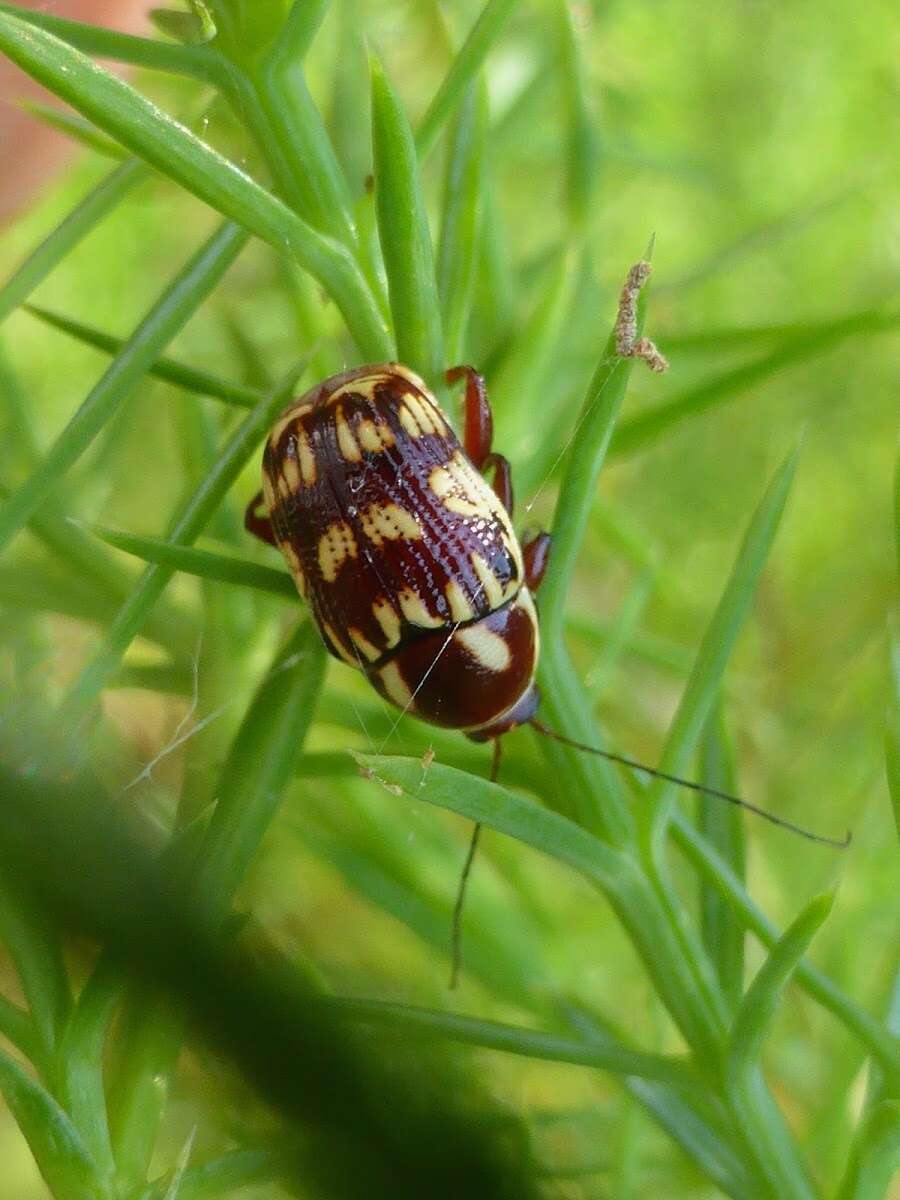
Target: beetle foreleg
257, 522
478, 426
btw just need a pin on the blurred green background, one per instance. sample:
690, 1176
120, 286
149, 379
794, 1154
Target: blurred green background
756, 141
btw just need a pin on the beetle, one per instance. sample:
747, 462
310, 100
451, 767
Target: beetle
407, 556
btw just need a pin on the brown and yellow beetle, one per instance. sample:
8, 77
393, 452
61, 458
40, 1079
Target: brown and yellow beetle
406, 556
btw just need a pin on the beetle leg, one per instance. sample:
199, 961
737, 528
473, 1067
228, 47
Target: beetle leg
536, 552
257, 522
502, 484
479, 425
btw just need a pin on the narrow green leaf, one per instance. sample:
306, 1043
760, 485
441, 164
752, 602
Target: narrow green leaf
758, 1008
151, 134
170, 313
716, 646
260, 765
403, 231
726, 339
460, 243
300, 28
17, 1027
606, 1055
82, 1061
296, 143
500, 809
519, 385
222, 1176
582, 150
92, 585
593, 786
80, 131
203, 563
759, 1120
722, 825
465, 67
647, 427
693, 1117
120, 47
350, 116
614, 872
190, 379
875, 1157
701, 1142
62, 1157
36, 950
186, 528
713, 868
85, 217
586, 453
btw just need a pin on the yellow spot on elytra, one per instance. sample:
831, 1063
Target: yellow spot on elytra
361, 642
410, 376
287, 418
268, 492
409, 422
486, 647
284, 488
460, 608
395, 686
295, 566
386, 616
424, 413
489, 581
461, 490
350, 659
374, 436
290, 468
414, 610
306, 458
389, 523
364, 386
347, 443
336, 544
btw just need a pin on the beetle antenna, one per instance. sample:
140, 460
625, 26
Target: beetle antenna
840, 843
456, 936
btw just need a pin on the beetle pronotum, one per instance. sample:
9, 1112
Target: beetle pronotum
408, 557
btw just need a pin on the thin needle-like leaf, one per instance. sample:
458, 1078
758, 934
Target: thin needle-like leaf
171, 312
713, 867
715, 649
85, 217
607, 1055
58, 1149
460, 243
153, 135
465, 67
722, 825
197, 61
185, 529
875, 1155
202, 563
76, 128
647, 427
404, 233
760, 1122
190, 379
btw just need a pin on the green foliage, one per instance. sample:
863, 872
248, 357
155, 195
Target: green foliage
261, 858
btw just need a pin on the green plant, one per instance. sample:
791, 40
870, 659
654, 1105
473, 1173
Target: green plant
356, 270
